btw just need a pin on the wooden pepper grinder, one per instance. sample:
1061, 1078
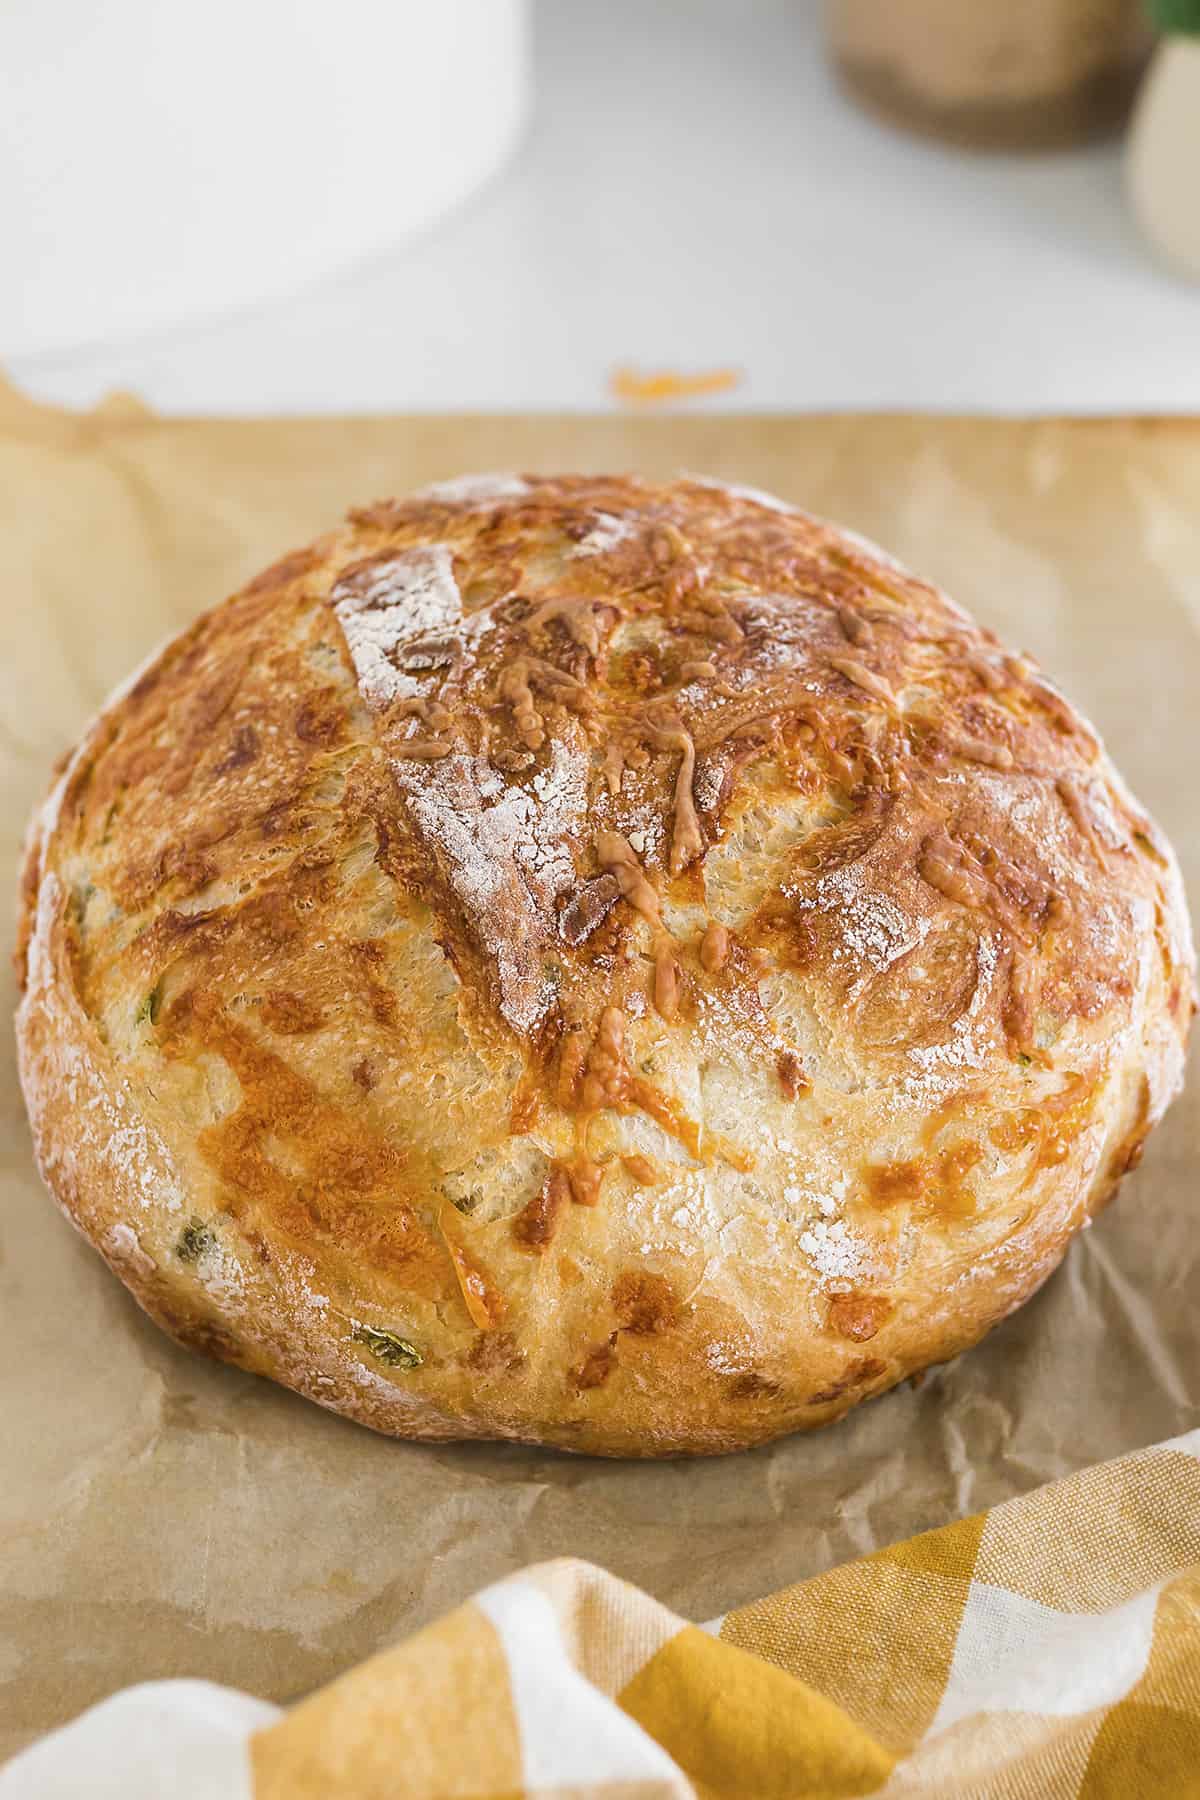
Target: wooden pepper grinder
1163, 163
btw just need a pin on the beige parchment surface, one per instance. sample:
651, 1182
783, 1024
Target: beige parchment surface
160, 1515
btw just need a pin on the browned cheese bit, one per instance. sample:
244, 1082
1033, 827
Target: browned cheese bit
714, 948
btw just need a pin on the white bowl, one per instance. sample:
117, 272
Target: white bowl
161, 161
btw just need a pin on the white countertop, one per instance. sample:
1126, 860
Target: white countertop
694, 194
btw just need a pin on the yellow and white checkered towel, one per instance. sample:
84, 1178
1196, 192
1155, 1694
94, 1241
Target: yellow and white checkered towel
1048, 1647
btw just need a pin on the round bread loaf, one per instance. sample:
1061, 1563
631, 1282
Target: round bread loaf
617, 965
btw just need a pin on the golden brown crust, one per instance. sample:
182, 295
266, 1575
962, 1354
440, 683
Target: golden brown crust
622, 966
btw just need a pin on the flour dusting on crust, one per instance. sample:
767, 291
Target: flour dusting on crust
39, 969
835, 1252
474, 489
606, 534
504, 852
392, 602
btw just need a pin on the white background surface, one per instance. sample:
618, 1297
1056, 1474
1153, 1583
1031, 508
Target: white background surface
692, 194
164, 162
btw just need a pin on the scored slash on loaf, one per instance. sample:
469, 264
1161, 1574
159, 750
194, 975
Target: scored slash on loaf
613, 964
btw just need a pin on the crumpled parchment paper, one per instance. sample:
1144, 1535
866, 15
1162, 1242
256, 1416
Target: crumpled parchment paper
161, 1515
